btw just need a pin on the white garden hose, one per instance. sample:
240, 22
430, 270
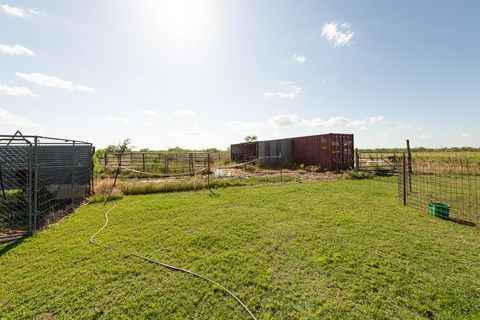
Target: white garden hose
168, 266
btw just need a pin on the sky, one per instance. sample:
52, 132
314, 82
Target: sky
199, 74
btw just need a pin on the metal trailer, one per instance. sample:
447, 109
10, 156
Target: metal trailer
40, 176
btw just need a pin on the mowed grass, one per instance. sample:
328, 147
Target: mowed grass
343, 249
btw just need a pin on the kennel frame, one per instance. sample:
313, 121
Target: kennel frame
50, 174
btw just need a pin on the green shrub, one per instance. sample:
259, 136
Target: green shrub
352, 174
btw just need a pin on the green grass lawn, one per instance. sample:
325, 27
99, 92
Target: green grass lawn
343, 249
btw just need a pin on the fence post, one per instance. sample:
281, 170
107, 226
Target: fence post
143, 162
190, 164
357, 160
409, 166
73, 174
208, 171
35, 185
92, 187
30, 196
105, 160
166, 163
404, 171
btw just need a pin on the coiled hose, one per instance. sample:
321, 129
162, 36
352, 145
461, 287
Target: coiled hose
168, 266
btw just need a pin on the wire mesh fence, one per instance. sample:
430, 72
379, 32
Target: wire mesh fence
453, 184
41, 179
210, 174
161, 163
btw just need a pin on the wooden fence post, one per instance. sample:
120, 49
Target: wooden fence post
166, 163
208, 171
92, 187
143, 162
190, 163
357, 160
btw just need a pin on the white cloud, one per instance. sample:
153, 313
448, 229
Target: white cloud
339, 35
151, 113
14, 120
117, 119
404, 126
53, 82
336, 122
290, 120
83, 88
376, 119
15, 50
465, 135
300, 58
183, 113
35, 12
15, 91
14, 11
284, 120
424, 136
290, 90
20, 12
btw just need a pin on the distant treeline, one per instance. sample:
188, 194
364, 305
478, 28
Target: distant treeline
422, 149
125, 146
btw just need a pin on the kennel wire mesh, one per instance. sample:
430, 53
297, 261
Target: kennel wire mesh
40, 179
453, 183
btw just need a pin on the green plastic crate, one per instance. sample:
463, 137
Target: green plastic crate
440, 210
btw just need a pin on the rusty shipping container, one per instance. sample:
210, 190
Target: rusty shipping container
333, 151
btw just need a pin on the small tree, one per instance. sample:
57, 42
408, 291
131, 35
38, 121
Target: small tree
124, 146
251, 138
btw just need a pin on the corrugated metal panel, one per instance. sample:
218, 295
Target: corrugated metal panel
237, 148
244, 151
275, 153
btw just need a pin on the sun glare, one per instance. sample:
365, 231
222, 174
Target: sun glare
183, 20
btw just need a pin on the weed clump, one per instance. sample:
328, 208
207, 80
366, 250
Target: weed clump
359, 175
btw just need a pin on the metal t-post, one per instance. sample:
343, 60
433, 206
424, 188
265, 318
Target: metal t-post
73, 174
404, 171
410, 171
